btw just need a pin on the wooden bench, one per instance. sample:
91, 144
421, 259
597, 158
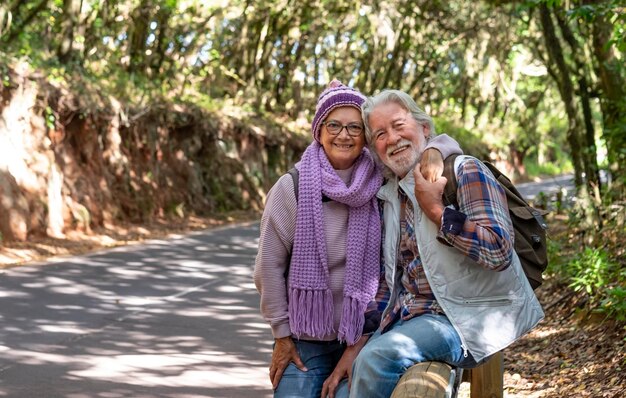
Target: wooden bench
437, 380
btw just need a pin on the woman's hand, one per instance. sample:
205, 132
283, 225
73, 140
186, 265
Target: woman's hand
432, 165
343, 368
284, 352
429, 195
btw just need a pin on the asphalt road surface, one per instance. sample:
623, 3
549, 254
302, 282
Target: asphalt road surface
173, 318
549, 187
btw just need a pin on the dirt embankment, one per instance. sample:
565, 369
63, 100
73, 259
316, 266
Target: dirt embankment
77, 160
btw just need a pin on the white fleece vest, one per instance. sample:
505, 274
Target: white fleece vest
489, 309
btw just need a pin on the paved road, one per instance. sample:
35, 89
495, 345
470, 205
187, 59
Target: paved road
549, 186
172, 318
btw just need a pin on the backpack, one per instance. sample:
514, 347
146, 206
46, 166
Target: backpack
528, 222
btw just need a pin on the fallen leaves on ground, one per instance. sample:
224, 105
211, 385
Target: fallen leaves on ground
572, 353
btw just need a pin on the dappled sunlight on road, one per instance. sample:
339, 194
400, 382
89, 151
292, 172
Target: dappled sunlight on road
13, 295
175, 318
202, 368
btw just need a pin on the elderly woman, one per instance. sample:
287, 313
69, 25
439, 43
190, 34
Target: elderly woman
318, 264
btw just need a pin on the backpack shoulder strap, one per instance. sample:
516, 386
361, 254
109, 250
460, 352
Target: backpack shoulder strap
295, 175
449, 192
506, 183
514, 197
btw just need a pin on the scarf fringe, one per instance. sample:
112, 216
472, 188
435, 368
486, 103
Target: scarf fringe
352, 320
311, 312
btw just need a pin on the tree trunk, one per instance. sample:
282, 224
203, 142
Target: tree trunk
555, 54
614, 89
393, 60
158, 56
137, 36
589, 152
71, 14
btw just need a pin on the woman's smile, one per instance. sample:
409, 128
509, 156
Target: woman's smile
344, 146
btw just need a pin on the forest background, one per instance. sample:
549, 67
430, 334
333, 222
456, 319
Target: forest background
120, 115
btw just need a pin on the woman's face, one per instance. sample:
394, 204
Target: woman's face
342, 149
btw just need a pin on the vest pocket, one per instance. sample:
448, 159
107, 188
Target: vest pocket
488, 301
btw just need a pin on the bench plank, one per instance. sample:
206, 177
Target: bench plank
425, 379
435, 380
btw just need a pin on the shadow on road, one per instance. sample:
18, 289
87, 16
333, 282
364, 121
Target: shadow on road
176, 318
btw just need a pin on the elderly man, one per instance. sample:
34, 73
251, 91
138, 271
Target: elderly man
453, 289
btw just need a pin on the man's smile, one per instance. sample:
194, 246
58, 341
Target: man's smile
398, 149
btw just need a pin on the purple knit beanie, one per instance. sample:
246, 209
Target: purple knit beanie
335, 95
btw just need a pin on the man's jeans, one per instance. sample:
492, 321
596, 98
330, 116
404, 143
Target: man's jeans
320, 358
386, 357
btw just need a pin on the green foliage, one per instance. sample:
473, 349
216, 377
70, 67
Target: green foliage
470, 141
276, 56
591, 271
612, 11
595, 273
533, 169
591, 257
615, 302
50, 118
597, 266
559, 164
176, 209
556, 260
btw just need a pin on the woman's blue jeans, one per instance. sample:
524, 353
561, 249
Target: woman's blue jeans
386, 357
320, 358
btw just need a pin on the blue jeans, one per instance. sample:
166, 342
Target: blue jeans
386, 357
320, 358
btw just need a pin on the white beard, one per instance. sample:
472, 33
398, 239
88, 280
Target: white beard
403, 163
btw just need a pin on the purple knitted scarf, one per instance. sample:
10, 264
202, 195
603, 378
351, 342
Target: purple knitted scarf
310, 298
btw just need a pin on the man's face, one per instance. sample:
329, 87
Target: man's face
399, 140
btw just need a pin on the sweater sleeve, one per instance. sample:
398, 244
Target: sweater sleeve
446, 145
278, 225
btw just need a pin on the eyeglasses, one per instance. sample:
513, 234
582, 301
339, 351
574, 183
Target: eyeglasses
334, 128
